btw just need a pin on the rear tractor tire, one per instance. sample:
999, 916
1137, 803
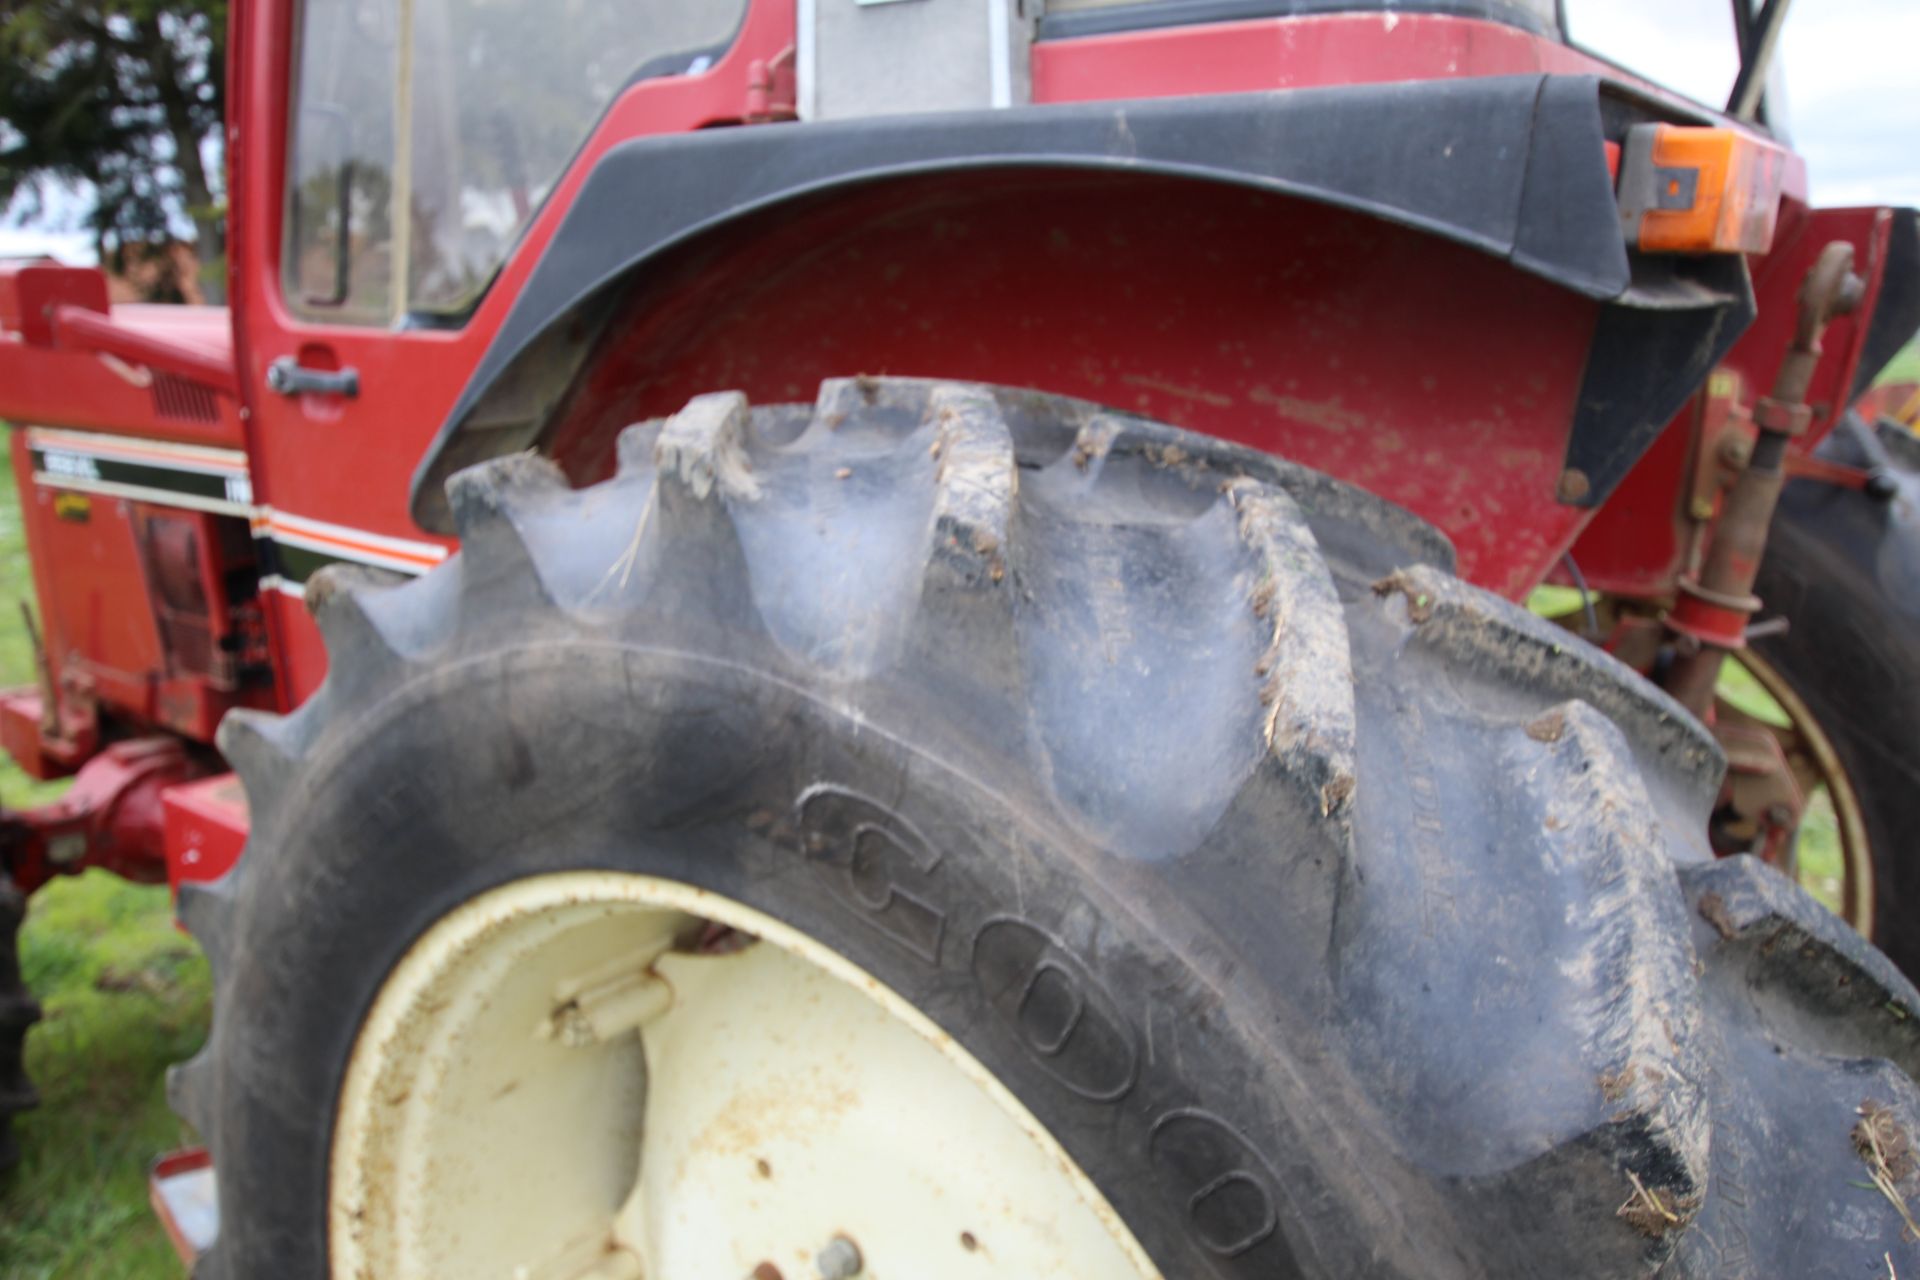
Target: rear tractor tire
1844, 568
950, 831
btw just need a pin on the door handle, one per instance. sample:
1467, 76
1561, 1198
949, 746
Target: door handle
291, 378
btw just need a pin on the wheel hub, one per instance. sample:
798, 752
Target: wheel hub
613, 1076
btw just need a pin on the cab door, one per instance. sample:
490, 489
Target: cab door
398, 165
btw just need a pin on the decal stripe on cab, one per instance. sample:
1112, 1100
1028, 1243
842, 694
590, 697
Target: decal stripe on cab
204, 478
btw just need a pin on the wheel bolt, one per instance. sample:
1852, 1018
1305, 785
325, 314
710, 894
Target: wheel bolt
839, 1260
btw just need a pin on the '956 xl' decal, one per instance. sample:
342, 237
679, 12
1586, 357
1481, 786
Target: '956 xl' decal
205, 478
199, 477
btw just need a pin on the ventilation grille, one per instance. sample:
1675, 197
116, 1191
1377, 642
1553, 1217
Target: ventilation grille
183, 401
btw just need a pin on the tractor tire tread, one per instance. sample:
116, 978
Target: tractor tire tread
1424, 875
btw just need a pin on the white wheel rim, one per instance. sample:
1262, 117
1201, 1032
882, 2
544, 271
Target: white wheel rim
545, 1091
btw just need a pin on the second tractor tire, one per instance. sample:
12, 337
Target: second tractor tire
1844, 568
18, 1012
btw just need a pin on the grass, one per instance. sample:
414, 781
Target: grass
1904, 367
124, 994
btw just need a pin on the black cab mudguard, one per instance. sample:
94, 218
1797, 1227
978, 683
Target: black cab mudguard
1513, 167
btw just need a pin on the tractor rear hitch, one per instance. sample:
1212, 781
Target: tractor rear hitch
111, 817
1877, 483
1709, 618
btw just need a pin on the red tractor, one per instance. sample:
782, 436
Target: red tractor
760, 752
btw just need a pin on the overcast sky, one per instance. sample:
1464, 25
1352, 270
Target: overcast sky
1853, 98
1852, 93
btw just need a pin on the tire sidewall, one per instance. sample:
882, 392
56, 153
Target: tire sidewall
1020, 939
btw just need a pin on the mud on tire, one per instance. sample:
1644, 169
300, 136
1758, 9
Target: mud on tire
1377, 928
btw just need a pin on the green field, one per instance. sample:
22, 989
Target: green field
1904, 367
125, 994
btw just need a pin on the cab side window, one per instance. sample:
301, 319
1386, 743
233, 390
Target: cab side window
337, 255
427, 132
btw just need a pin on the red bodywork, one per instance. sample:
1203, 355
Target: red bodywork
1645, 534
1416, 368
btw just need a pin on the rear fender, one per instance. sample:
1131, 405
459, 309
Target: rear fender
1450, 319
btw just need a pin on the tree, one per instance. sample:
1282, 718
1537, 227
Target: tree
123, 98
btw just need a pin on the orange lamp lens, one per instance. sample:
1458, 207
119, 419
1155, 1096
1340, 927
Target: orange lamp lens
1701, 190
